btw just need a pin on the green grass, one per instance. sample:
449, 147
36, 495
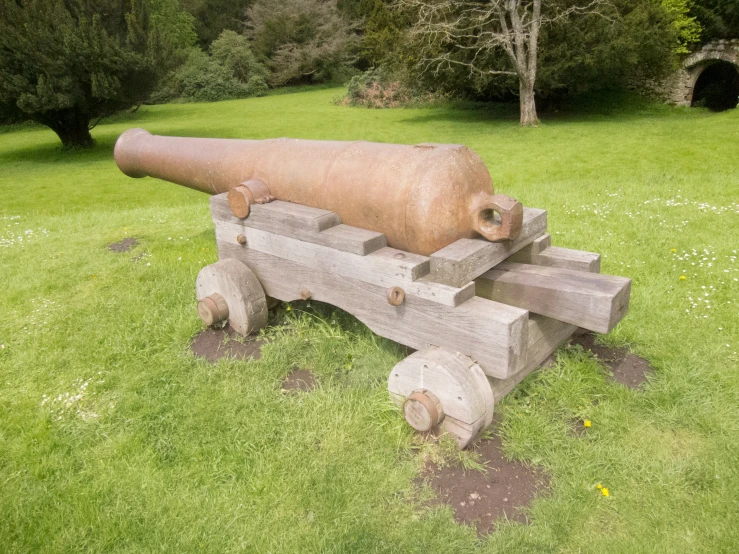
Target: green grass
160, 451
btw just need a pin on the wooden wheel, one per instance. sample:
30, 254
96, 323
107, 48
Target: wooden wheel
437, 388
228, 290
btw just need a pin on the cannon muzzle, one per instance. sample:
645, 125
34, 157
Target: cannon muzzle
126, 152
422, 198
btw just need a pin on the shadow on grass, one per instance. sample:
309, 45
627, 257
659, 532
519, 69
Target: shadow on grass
613, 105
52, 152
596, 107
463, 112
593, 107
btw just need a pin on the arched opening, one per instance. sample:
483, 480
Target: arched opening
717, 87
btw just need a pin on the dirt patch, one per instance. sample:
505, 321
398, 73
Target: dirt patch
480, 499
123, 246
626, 368
214, 344
577, 427
299, 380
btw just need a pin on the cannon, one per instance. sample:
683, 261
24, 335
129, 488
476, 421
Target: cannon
422, 198
411, 240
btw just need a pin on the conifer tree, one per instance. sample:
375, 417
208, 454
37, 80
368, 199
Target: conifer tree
69, 63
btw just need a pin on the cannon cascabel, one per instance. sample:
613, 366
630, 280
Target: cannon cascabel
422, 198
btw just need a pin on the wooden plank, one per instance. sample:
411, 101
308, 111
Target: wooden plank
381, 265
466, 259
350, 239
386, 267
537, 245
494, 335
277, 214
542, 253
578, 260
545, 336
589, 300
303, 223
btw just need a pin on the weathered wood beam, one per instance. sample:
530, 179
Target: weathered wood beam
589, 300
386, 267
545, 336
466, 259
541, 252
495, 335
301, 222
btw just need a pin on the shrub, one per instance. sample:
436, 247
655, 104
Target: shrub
302, 41
231, 71
371, 89
208, 81
233, 51
377, 88
257, 86
201, 79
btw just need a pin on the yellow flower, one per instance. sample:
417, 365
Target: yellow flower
683, 277
604, 491
598, 486
673, 250
288, 308
586, 423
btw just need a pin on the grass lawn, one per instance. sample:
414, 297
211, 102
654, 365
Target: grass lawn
115, 438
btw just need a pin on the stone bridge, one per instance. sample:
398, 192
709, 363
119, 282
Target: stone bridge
716, 62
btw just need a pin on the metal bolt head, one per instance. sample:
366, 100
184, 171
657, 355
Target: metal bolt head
395, 296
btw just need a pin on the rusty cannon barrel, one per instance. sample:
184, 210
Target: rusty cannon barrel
422, 198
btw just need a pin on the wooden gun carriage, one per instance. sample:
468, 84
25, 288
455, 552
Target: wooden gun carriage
472, 284
481, 315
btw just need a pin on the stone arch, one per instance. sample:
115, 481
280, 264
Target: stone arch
717, 86
685, 80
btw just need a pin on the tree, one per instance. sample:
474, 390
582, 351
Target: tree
234, 52
302, 41
379, 28
688, 29
212, 17
632, 42
719, 18
469, 33
69, 63
230, 71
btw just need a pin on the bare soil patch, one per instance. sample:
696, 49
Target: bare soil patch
628, 369
214, 344
577, 427
123, 246
482, 498
299, 380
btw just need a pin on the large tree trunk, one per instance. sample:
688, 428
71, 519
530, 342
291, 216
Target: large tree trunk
71, 126
528, 104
